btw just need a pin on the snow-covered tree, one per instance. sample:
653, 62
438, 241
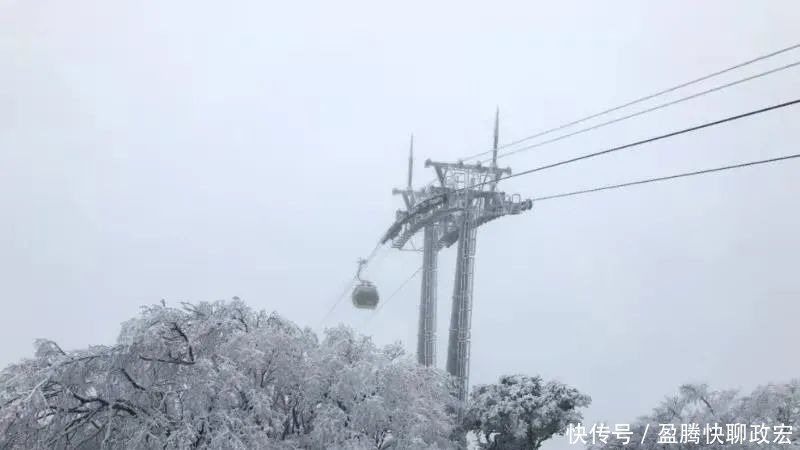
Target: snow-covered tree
521, 412
697, 404
222, 376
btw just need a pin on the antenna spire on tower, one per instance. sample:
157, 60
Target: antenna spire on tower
496, 136
410, 162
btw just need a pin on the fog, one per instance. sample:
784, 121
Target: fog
197, 151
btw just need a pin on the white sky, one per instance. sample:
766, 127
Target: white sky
197, 151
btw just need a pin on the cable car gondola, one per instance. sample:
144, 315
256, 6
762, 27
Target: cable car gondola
365, 294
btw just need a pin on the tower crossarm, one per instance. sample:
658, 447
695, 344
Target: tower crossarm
461, 175
404, 217
461, 166
418, 222
500, 205
513, 208
440, 207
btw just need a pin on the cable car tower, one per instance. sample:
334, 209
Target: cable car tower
451, 211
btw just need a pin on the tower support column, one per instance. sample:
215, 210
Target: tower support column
426, 338
461, 314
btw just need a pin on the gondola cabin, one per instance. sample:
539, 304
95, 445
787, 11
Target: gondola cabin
365, 295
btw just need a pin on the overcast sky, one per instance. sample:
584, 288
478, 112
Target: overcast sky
195, 151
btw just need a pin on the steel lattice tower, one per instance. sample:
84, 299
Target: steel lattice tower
466, 198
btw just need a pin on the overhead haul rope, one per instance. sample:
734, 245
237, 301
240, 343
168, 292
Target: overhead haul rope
654, 95
669, 177
641, 142
638, 113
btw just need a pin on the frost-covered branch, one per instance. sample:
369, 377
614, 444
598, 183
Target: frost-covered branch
216, 376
